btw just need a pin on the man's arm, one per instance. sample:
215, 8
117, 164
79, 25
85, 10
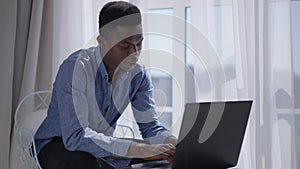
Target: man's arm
149, 152
143, 109
76, 133
73, 111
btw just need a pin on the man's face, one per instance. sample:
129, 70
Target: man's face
123, 46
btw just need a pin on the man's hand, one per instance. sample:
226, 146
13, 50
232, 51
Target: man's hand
151, 152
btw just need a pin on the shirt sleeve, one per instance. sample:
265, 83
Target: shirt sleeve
73, 112
143, 109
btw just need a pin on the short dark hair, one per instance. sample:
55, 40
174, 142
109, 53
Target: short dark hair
118, 9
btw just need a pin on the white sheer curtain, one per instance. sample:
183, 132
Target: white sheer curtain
253, 40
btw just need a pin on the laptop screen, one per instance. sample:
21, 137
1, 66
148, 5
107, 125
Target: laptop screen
211, 134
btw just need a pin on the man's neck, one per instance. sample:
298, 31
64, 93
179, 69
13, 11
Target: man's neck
109, 68
110, 71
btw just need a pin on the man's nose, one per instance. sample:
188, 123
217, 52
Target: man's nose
133, 49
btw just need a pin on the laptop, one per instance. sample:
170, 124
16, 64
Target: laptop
211, 136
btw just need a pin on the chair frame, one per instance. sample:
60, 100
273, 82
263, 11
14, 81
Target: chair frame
28, 152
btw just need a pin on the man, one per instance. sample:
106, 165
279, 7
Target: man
91, 90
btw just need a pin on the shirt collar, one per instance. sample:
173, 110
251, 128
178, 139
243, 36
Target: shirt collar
99, 60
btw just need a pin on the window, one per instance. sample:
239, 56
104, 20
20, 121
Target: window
219, 30
160, 58
189, 60
163, 54
284, 23
295, 15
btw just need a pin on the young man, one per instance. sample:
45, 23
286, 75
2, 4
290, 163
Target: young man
92, 88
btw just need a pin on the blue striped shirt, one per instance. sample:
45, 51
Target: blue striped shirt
85, 107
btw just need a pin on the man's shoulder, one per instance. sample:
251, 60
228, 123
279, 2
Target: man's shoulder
77, 64
83, 56
139, 69
140, 72
73, 56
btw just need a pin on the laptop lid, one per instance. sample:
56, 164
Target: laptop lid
211, 134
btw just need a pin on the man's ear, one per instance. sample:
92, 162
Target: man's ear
101, 40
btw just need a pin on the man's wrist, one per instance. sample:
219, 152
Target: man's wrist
171, 139
136, 150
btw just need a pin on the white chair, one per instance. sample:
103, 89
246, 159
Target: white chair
29, 114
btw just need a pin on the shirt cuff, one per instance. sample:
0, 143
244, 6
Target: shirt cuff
121, 146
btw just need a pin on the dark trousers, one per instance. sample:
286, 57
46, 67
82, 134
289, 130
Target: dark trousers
55, 156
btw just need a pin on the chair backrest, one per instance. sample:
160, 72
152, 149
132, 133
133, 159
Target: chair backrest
29, 114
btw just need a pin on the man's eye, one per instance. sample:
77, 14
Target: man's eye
124, 45
139, 44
